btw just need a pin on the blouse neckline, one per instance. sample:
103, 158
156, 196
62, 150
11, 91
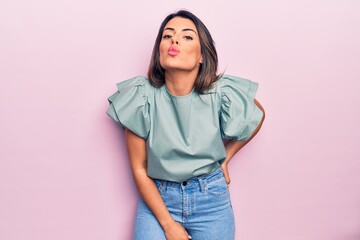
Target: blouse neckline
168, 93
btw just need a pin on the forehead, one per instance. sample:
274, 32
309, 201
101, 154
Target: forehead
179, 23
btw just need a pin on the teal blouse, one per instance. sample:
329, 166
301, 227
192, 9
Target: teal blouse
184, 134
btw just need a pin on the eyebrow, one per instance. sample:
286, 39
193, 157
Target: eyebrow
185, 29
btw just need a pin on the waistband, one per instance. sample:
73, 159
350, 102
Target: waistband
194, 182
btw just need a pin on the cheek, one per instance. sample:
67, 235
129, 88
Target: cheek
163, 47
162, 53
162, 50
195, 49
198, 50
195, 53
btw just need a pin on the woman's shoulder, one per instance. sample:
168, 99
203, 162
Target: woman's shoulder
230, 83
134, 82
227, 80
129, 105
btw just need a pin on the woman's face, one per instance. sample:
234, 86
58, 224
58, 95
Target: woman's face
180, 46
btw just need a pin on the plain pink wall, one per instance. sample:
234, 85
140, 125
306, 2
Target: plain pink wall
64, 173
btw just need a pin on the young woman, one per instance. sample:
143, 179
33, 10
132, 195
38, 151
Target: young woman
176, 121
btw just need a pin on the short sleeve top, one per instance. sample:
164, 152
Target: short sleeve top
184, 134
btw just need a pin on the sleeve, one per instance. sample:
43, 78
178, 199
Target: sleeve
239, 115
129, 106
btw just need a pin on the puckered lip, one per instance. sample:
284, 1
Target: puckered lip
173, 50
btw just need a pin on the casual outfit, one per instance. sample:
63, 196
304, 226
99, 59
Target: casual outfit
201, 204
184, 143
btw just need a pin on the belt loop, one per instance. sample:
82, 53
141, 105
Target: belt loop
202, 184
163, 184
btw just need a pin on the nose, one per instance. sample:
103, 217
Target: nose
174, 41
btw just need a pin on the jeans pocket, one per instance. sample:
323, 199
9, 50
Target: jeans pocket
217, 187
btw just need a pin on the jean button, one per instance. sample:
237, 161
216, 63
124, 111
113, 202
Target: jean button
184, 183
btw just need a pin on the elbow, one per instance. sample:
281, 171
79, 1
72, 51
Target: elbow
261, 109
263, 115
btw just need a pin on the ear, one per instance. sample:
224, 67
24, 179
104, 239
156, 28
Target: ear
201, 60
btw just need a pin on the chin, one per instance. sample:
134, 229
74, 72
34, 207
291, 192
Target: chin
178, 67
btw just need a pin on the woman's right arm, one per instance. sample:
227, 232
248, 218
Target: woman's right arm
136, 148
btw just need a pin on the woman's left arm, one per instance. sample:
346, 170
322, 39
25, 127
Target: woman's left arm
233, 147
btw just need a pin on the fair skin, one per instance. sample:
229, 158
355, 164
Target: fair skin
181, 70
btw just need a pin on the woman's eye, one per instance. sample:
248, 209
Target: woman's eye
166, 36
188, 38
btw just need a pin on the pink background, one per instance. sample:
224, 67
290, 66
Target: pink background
64, 173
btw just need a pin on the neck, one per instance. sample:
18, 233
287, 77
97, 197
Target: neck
180, 83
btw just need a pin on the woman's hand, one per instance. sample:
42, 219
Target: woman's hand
224, 168
174, 231
136, 147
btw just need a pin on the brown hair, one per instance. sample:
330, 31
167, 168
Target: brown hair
207, 72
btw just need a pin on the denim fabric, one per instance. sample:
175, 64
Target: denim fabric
201, 204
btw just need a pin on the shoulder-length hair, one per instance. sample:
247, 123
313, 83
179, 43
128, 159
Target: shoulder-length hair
208, 68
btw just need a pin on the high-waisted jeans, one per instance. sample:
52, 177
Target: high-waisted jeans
201, 205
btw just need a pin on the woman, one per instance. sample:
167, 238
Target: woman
176, 121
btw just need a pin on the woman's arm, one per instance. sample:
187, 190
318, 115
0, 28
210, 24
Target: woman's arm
136, 148
232, 147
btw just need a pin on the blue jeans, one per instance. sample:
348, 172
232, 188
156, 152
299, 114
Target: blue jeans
201, 205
